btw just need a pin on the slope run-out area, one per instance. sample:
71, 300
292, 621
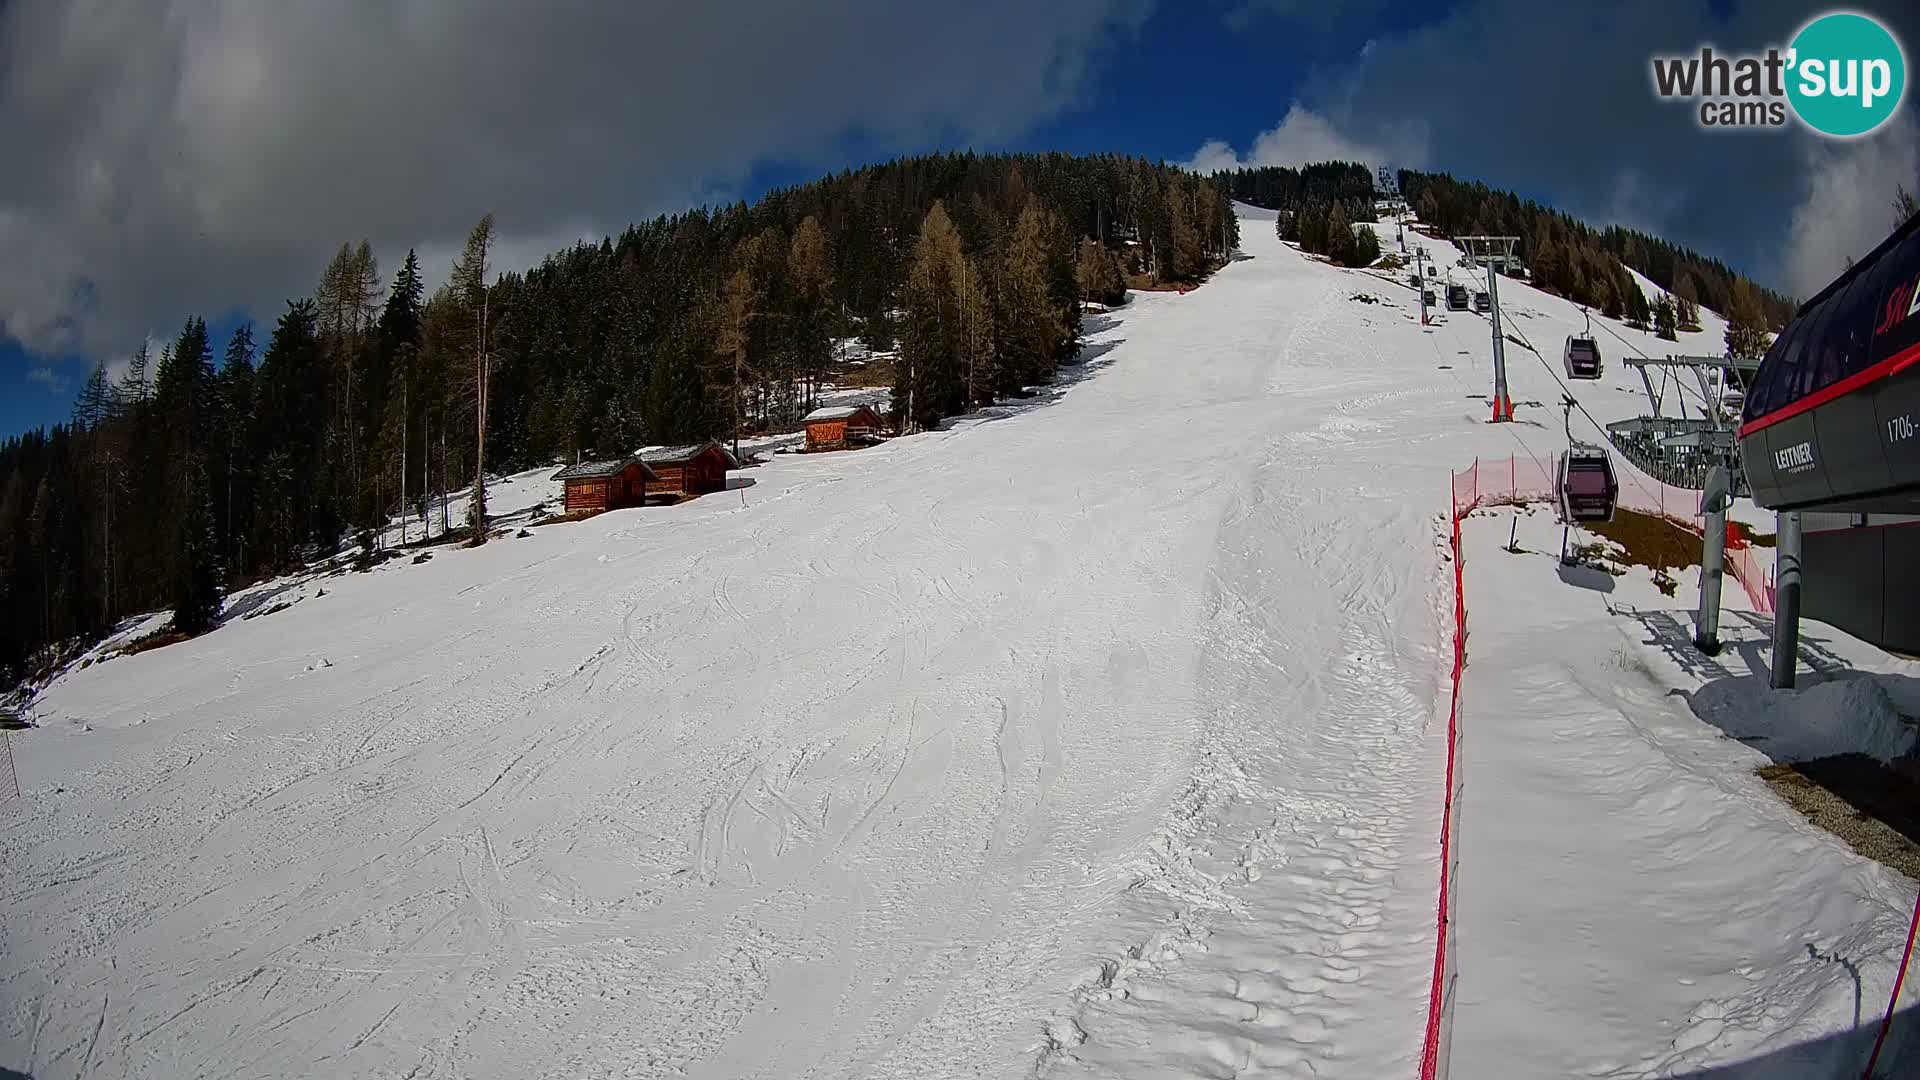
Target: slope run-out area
848, 772
1095, 736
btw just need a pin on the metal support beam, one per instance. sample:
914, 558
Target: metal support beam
1713, 560
1499, 249
1500, 397
1651, 396
1786, 600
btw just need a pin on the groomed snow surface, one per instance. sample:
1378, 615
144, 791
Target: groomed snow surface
1096, 735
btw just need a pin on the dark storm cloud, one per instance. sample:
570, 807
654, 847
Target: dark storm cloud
1557, 98
173, 157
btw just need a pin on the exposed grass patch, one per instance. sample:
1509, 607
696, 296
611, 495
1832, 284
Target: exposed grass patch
1873, 807
875, 373
1646, 540
160, 638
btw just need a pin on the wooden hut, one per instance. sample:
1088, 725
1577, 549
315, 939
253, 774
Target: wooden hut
835, 426
695, 469
606, 485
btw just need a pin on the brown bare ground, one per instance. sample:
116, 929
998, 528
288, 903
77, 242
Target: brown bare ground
1873, 807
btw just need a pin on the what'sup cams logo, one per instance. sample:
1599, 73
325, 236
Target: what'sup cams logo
1843, 75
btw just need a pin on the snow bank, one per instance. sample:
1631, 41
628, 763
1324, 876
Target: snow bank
1846, 716
1633, 901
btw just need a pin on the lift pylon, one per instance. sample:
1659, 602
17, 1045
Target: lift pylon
1499, 251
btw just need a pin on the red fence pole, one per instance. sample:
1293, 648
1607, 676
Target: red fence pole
1887, 1021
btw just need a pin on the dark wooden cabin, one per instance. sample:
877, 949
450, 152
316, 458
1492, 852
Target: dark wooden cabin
695, 469
606, 485
836, 426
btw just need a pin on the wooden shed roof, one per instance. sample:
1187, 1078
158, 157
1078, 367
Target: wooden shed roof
593, 470
837, 412
675, 455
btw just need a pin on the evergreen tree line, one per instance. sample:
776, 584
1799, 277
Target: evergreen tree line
185, 476
1326, 229
1586, 264
1280, 188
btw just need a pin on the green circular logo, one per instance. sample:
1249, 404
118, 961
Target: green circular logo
1846, 74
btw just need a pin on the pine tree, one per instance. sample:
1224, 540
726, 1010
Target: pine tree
1637, 310
134, 386
1665, 318
235, 396
1339, 245
196, 574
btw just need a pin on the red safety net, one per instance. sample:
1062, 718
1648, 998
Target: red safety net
1506, 481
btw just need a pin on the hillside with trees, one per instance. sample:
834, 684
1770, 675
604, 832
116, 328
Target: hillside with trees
1585, 264
1347, 183
213, 464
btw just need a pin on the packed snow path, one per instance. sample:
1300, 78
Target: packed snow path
1098, 736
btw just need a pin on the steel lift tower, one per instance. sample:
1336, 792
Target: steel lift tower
1498, 250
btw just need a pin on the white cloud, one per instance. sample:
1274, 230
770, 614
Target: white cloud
48, 378
1554, 101
168, 159
1304, 136
1848, 206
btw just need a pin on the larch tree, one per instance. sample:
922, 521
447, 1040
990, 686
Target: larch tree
929, 379
1033, 328
1746, 336
810, 262
471, 273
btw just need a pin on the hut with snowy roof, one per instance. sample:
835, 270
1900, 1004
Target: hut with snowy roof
593, 486
834, 426
694, 469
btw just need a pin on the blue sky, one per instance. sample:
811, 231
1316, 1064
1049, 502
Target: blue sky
211, 167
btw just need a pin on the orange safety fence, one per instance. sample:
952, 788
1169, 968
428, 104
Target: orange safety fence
1508, 481
1440, 993
1505, 481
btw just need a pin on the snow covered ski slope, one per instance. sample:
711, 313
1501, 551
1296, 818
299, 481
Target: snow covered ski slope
1097, 736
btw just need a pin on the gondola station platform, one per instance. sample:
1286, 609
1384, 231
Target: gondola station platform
1832, 428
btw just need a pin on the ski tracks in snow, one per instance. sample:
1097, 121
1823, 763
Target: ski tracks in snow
1282, 918
857, 780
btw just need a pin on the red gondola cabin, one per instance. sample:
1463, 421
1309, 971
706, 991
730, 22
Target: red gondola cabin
835, 426
593, 486
680, 471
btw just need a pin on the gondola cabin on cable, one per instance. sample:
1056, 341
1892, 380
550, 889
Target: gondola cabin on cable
1457, 298
1585, 484
1582, 358
1832, 418
835, 427
685, 471
1482, 303
593, 486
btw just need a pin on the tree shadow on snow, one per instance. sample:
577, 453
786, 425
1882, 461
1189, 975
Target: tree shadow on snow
1839, 1056
1072, 373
